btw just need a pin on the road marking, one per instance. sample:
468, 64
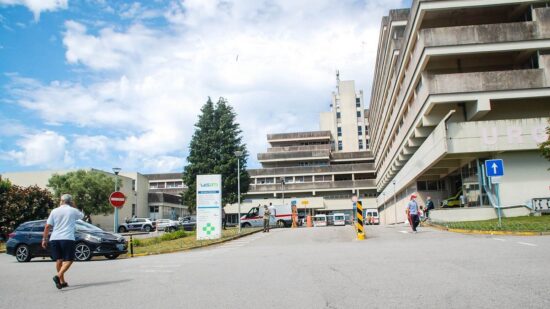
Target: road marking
527, 244
499, 239
404, 232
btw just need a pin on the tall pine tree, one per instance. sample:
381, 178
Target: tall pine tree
212, 151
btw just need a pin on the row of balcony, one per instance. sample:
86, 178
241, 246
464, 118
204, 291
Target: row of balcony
309, 170
281, 137
314, 186
326, 147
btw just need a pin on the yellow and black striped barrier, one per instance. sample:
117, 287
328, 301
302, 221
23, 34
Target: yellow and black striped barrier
359, 224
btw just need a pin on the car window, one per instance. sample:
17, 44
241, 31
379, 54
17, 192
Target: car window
24, 228
375, 214
38, 227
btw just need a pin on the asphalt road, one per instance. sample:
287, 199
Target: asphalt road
303, 268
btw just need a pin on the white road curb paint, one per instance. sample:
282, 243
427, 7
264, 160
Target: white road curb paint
527, 244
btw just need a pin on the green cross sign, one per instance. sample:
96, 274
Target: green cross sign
208, 228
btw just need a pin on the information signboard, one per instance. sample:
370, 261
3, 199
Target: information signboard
209, 206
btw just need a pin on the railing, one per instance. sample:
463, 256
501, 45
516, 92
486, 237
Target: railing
541, 204
367, 183
316, 154
298, 135
303, 170
352, 155
299, 148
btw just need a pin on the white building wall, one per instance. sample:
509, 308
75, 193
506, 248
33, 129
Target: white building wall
348, 112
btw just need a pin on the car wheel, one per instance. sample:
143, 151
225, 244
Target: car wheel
82, 252
281, 223
148, 228
111, 256
246, 224
122, 229
22, 253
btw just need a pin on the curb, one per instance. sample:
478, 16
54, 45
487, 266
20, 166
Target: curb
481, 232
198, 247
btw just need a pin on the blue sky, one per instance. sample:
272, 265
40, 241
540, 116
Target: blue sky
97, 83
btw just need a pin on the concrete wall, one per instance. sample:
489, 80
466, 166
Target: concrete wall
526, 176
475, 214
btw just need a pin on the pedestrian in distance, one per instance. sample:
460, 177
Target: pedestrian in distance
224, 221
267, 214
62, 241
429, 206
412, 212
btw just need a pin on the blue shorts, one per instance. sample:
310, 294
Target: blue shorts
62, 249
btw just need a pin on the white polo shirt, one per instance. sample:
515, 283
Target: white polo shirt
63, 219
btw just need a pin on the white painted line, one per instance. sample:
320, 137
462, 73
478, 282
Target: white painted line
527, 244
499, 239
118, 199
404, 232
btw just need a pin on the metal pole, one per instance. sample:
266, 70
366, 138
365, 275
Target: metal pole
239, 190
498, 205
116, 208
283, 185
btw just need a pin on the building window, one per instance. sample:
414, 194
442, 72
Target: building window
133, 185
133, 210
153, 209
339, 145
360, 144
359, 130
339, 131
357, 102
358, 114
337, 115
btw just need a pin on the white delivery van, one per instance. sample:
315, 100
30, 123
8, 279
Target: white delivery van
339, 219
281, 215
371, 216
319, 220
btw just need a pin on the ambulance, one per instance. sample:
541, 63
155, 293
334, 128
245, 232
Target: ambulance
281, 216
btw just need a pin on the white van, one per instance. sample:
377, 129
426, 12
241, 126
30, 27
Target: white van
320, 220
371, 216
339, 219
281, 215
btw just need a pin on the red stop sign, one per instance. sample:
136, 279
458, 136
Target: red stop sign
117, 199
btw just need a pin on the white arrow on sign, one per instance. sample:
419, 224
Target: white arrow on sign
494, 167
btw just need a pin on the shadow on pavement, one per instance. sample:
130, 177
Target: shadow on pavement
92, 284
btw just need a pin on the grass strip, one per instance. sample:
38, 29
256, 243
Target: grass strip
158, 245
2, 246
515, 224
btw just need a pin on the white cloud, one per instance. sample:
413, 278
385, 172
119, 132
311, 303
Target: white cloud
91, 146
45, 149
274, 60
39, 6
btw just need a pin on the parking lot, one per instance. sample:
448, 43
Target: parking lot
321, 267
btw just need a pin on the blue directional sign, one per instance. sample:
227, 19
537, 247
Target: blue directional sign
494, 168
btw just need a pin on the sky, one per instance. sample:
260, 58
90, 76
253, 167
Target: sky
98, 83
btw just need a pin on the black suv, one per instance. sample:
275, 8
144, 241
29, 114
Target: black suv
25, 242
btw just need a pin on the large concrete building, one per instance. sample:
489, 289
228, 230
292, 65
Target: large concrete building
319, 170
457, 83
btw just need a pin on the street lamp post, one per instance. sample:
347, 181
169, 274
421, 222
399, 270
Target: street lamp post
116, 170
394, 202
238, 154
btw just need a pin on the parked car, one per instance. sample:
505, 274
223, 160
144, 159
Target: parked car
188, 223
339, 219
167, 225
452, 201
371, 216
25, 242
137, 224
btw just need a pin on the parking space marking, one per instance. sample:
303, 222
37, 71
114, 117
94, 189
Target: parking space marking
404, 232
527, 244
499, 239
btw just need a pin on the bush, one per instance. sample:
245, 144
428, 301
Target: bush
173, 235
157, 240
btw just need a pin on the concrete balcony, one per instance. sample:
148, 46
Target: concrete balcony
325, 147
316, 155
314, 186
299, 136
312, 170
485, 81
351, 156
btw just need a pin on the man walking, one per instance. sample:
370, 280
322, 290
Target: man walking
63, 219
267, 214
412, 211
429, 206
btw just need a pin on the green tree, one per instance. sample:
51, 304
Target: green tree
211, 151
90, 190
545, 146
21, 204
